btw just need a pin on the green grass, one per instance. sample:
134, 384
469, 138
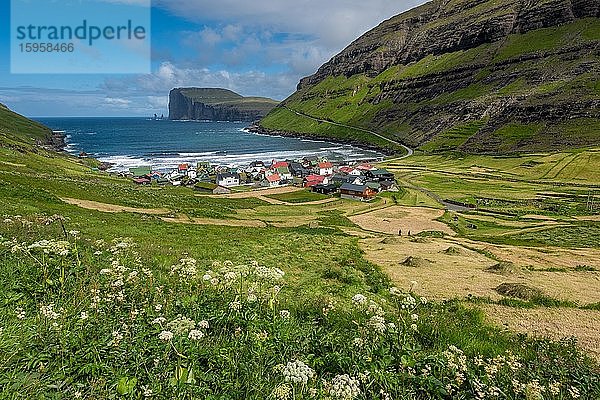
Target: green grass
301, 196
453, 138
117, 351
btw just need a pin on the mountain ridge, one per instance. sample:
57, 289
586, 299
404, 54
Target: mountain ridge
476, 76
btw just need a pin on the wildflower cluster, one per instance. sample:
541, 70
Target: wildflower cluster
297, 372
344, 387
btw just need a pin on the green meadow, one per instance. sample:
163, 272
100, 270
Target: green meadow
132, 305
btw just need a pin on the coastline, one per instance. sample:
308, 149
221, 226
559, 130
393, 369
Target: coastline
260, 130
57, 141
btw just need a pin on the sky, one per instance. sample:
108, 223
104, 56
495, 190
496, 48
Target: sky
256, 48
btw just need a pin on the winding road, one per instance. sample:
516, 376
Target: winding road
409, 151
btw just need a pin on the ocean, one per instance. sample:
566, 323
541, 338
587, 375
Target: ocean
128, 142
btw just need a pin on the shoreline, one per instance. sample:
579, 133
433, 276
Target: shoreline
58, 140
260, 130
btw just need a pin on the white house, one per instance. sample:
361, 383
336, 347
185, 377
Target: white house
325, 168
272, 180
192, 173
228, 180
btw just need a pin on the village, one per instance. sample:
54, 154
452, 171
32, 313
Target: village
355, 181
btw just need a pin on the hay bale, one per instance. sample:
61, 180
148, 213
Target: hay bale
518, 290
503, 268
453, 251
416, 262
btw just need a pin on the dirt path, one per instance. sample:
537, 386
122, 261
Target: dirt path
391, 220
113, 208
285, 203
556, 323
247, 223
253, 193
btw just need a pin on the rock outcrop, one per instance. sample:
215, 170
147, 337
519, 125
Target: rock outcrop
216, 105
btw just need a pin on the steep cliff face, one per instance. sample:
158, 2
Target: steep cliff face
478, 75
216, 105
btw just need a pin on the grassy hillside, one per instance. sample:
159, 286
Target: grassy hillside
159, 300
19, 132
529, 92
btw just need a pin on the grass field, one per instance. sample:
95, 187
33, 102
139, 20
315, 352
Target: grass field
107, 293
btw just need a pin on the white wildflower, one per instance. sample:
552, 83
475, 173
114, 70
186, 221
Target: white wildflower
181, 325
414, 317
554, 388
359, 299
20, 313
165, 336
377, 323
159, 320
195, 334
297, 372
83, 316
203, 324
282, 392
285, 314
49, 312
344, 387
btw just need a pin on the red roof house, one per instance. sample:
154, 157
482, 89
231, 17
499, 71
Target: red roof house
312, 180
279, 164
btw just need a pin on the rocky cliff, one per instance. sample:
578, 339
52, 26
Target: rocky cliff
216, 105
473, 75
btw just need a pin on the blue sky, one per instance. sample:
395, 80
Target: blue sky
258, 48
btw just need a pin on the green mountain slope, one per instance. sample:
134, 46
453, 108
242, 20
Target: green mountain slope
216, 104
477, 76
18, 132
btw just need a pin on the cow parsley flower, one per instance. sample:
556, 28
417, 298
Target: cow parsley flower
359, 299
282, 392
49, 312
203, 324
377, 323
165, 336
285, 314
195, 334
297, 372
181, 325
344, 387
